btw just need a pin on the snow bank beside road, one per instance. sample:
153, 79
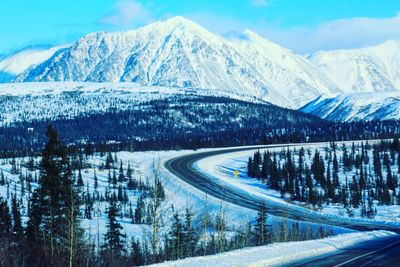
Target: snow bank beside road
280, 253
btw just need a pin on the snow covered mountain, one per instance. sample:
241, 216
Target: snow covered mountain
14, 64
357, 107
179, 53
371, 69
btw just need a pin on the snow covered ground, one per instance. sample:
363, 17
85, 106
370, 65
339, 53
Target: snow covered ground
179, 195
280, 253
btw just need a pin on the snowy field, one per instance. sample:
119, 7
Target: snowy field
178, 194
281, 253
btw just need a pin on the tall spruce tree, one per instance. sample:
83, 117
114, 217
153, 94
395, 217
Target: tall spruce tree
114, 238
17, 224
190, 238
176, 238
54, 209
5, 220
261, 228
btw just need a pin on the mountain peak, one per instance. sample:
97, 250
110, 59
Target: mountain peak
390, 44
177, 22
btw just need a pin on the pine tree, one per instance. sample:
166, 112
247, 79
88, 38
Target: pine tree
129, 171
261, 228
34, 220
96, 183
5, 219
53, 209
176, 238
139, 210
17, 224
114, 239
80, 179
88, 204
109, 161
136, 253
121, 176
189, 235
250, 167
335, 175
256, 165
52, 204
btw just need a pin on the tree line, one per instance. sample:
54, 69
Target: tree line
361, 176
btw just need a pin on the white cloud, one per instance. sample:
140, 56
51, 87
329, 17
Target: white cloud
127, 13
259, 3
337, 34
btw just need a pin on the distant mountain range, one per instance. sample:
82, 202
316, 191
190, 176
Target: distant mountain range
357, 107
179, 53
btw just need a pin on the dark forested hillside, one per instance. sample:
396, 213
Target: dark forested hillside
185, 122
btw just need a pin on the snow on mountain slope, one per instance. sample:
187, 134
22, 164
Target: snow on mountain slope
17, 63
357, 106
371, 69
285, 71
180, 53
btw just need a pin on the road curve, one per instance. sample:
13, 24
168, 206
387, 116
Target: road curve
183, 168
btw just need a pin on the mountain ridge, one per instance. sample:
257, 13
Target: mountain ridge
382, 106
180, 53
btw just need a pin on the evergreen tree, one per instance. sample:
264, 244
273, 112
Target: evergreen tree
80, 179
129, 171
34, 221
121, 176
114, 238
109, 161
250, 167
136, 253
54, 209
189, 235
17, 224
176, 238
5, 219
96, 183
261, 228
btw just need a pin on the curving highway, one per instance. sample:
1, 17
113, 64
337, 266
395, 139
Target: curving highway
384, 252
183, 168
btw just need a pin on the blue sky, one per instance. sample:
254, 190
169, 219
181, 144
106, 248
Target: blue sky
301, 25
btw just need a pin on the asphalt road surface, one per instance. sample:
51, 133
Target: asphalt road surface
183, 168
383, 252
